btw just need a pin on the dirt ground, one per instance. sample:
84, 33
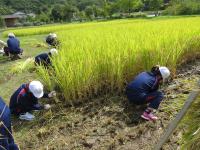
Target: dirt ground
108, 123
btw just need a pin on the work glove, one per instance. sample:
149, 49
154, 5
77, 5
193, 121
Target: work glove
52, 94
47, 106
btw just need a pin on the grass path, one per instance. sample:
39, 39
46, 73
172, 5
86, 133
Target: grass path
32, 46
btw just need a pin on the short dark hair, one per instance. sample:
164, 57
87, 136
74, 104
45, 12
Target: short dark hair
155, 70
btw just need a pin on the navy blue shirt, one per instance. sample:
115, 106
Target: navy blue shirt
143, 84
43, 59
13, 44
24, 101
6, 139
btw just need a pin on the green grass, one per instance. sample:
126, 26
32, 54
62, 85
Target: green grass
10, 78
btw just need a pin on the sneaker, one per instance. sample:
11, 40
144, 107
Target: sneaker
149, 116
27, 116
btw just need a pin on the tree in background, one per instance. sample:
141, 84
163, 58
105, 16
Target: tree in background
57, 13
81, 16
5, 10
43, 18
2, 22
89, 12
154, 5
129, 6
69, 12
183, 7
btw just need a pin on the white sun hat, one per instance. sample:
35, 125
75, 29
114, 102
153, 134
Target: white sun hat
11, 35
53, 51
165, 73
36, 88
53, 35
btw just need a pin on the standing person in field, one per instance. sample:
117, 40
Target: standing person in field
14, 46
144, 90
52, 40
45, 58
6, 137
25, 99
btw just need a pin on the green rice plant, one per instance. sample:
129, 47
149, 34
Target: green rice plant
45, 76
100, 58
23, 66
56, 28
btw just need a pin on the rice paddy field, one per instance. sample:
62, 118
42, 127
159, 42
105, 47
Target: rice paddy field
101, 57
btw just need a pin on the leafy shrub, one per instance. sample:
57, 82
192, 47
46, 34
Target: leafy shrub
18, 24
183, 8
138, 15
28, 24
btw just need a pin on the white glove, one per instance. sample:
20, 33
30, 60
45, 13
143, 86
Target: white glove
47, 106
52, 94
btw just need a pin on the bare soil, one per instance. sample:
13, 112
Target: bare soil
108, 123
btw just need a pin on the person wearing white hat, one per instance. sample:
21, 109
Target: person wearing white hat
25, 99
52, 40
45, 58
144, 90
14, 46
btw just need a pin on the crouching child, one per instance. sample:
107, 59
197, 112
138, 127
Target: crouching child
45, 58
25, 99
144, 90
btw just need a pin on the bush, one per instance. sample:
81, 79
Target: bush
137, 15
28, 24
116, 16
183, 8
18, 24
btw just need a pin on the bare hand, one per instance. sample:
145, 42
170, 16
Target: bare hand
52, 94
47, 106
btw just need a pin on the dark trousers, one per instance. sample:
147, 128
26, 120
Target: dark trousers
6, 51
154, 98
16, 52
